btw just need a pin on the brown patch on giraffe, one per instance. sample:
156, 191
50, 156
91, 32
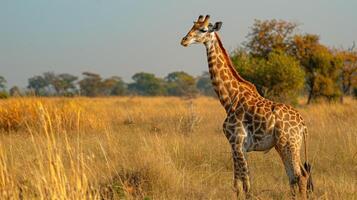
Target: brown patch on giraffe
227, 84
234, 84
221, 73
260, 103
293, 123
286, 117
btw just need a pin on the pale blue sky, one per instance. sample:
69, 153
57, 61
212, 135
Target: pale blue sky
117, 37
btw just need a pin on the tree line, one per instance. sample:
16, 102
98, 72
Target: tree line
92, 84
281, 63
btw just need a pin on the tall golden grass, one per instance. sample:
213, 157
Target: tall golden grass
156, 148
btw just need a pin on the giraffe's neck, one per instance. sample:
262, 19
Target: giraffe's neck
227, 83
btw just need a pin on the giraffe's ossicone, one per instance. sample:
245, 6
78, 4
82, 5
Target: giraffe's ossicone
253, 123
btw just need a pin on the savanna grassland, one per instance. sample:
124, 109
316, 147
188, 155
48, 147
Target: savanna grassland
156, 148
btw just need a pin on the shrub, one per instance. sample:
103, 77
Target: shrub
279, 77
4, 95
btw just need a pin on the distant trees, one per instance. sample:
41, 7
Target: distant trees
2, 83
204, 84
38, 84
50, 83
114, 86
147, 84
94, 85
3, 93
90, 85
180, 84
15, 91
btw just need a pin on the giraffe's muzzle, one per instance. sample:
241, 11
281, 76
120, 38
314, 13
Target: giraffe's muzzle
184, 42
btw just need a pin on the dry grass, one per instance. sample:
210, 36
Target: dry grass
156, 148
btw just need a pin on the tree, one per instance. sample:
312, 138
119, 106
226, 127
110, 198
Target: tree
65, 84
91, 84
146, 84
3, 93
348, 75
180, 84
119, 88
204, 84
270, 35
38, 84
277, 77
114, 86
2, 83
50, 83
15, 91
321, 67
61, 84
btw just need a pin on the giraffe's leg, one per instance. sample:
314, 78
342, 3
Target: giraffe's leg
290, 156
234, 131
241, 174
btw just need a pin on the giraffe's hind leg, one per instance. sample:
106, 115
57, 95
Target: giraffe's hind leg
290, 156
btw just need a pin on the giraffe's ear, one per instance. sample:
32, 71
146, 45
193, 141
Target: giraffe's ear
217, 26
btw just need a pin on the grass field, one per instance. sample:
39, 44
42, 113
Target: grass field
156, 148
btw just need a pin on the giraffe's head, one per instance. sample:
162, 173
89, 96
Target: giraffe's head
201, 31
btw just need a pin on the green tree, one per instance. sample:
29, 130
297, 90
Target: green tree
38, 84
322, 67
2, 83
204, 84
3, 93
278, 77
50, 83
61, 84
348, 75
65, 84
15, 91
146, 84
91, 84
270, 35
114, 86
180, 84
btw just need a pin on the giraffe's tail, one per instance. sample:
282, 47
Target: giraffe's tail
307, 166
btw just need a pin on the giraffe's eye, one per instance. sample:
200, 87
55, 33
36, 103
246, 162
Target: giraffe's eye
203, 30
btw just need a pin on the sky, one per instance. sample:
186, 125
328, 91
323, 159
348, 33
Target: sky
122, 37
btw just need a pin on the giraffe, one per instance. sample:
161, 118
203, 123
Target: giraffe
253, 123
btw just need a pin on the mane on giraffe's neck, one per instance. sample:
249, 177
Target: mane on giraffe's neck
230, 65
225, 79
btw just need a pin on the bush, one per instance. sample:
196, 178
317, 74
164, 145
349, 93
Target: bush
279, 77
4, 95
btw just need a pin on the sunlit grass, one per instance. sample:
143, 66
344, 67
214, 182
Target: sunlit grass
156, 148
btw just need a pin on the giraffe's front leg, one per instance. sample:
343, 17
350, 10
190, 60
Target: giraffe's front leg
241, 172
234, 131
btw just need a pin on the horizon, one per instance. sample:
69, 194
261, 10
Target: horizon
121, 37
